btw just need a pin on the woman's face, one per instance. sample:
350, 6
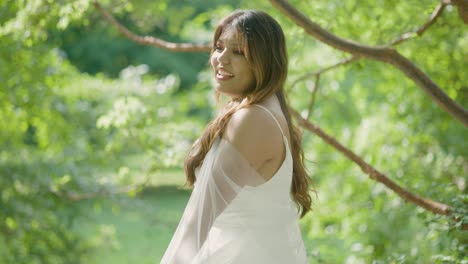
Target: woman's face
233, 74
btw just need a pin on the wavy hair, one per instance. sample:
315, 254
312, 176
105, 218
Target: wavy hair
264, 47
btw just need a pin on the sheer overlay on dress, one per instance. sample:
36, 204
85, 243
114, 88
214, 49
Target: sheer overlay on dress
223, 174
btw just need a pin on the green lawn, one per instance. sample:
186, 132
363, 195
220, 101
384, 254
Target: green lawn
134, 230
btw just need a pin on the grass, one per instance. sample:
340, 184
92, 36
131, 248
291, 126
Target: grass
135, 230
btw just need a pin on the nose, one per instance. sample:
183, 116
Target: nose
223, 57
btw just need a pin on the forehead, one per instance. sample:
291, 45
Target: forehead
230, 36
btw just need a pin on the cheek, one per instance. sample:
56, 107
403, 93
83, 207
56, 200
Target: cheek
253, 81
213, 61
251, 75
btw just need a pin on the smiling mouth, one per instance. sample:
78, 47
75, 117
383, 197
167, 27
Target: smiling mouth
223, 75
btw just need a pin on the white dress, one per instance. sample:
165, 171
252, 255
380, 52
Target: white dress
235, 216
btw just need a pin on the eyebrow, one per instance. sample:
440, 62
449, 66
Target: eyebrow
233, 44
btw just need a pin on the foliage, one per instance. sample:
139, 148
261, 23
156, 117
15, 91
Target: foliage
85, 111
53, 148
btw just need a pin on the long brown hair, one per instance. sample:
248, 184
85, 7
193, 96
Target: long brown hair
264, 47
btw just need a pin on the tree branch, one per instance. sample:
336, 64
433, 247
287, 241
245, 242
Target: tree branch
318, 72
379, 53
435, 207
462, 6
152, 41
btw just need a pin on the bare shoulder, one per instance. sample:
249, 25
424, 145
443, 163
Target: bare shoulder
254, 133
250, 124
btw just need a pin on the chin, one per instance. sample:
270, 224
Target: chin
219, 90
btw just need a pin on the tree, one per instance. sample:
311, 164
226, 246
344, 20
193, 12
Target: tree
68, 118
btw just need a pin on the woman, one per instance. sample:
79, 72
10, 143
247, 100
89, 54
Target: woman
250, 184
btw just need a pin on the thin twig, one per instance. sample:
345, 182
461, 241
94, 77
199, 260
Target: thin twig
312, 96
418, 32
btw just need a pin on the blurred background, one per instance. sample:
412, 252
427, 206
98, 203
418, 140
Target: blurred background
94, 129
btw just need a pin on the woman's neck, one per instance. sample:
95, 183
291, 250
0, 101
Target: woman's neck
271, 102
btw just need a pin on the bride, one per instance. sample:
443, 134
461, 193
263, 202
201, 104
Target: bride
250, 184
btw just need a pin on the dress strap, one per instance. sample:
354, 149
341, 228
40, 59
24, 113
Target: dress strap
274, 118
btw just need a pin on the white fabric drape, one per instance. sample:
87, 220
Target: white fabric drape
224, 173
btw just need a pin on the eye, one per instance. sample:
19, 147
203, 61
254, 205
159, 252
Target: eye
218, 47
238, 52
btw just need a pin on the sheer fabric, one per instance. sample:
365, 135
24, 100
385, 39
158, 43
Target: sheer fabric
234, 216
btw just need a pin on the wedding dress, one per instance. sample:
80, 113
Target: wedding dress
235, 216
